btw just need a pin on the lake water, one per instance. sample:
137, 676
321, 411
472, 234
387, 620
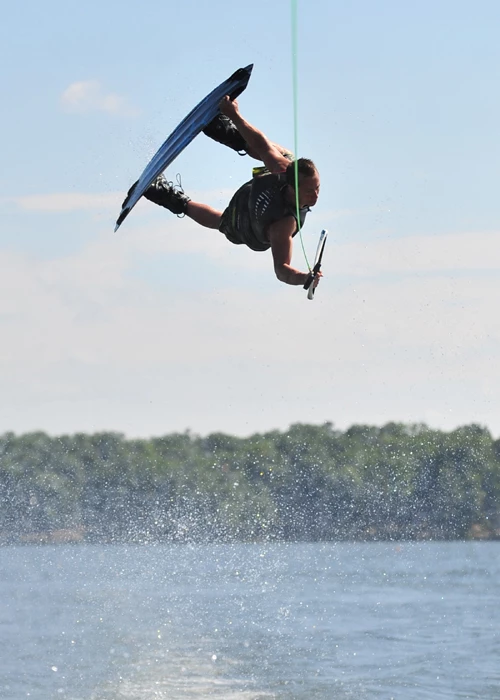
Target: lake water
250, 622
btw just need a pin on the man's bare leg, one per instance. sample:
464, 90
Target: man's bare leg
223, 130
204, 214
284, 152
173, 198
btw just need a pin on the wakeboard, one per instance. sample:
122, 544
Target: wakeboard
197, 119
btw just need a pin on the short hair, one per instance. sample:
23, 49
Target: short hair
305, 168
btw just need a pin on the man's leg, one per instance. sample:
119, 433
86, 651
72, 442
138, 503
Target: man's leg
173, 198
204, 214
222, 130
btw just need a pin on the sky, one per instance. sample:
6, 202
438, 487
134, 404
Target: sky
164, 326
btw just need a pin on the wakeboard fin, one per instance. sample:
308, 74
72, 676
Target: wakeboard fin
241, 76
125, 208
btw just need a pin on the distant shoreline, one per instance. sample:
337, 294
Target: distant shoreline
311, 483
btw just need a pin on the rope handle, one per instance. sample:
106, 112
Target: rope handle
317, 265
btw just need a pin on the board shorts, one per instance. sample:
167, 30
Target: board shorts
236, 223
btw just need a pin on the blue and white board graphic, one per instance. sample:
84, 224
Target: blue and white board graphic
190, 126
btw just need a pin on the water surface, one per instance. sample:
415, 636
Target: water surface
250, 622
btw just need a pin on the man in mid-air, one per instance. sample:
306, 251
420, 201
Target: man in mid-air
263, 213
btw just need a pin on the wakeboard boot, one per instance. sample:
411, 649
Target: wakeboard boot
168, 195
223, 130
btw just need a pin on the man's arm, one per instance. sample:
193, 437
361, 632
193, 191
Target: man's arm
280, 237
259, 145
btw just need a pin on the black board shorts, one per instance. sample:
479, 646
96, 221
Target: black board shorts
236, 223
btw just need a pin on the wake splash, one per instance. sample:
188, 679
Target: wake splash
188, 674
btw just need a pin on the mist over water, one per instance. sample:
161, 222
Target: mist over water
250, 621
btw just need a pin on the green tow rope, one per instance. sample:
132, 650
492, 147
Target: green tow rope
295, 121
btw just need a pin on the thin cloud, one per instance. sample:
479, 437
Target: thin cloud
88, 201
67, 201
90, 96
74, 327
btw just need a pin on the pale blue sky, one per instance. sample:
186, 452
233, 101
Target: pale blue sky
164, 326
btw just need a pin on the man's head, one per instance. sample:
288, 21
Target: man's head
308, 181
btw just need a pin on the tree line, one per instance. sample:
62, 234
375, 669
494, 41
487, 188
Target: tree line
308, 483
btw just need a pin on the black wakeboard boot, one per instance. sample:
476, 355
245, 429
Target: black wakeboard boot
167, 195
223, 130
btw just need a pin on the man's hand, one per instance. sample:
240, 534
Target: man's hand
313, 279
317, 278
229, 107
